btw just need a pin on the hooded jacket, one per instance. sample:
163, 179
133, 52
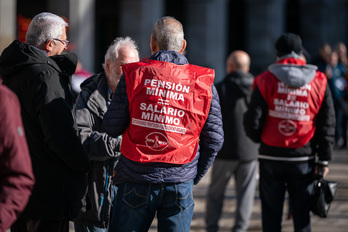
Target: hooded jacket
102, 150
58, 159
234, 93
117, 119
294, 73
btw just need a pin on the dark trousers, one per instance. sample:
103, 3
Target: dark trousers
31, 225
275, 178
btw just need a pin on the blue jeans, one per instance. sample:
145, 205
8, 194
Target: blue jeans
137, 205
79, 227
275, 178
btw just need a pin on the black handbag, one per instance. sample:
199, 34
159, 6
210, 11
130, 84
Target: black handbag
324, 192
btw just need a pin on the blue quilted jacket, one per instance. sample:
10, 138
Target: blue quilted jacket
117, 118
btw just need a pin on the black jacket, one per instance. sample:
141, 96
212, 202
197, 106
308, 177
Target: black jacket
59, 161
234, 93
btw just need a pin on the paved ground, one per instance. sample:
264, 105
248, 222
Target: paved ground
337, 221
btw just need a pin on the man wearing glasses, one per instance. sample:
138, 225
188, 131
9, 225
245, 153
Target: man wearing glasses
66, 43
38, 73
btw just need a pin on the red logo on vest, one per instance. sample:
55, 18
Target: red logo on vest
156, 141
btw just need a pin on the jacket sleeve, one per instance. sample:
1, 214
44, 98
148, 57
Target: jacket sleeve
254, 117
211, 137
16, 175
117, 117
57, 123
325, 131
99, 146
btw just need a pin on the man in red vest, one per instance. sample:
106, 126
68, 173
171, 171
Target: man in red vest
291, 113
168, 113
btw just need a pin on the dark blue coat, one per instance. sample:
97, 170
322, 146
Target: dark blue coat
117, 119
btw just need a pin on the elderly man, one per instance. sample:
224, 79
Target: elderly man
102, 149
169, 114
39, 75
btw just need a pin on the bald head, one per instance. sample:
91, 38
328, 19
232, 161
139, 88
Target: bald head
167, 34
238, 61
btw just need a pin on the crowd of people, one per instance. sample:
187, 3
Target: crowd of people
130, 144
333, 62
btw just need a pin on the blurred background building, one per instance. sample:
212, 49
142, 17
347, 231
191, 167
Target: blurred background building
213, 28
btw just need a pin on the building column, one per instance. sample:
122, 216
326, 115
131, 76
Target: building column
137, 21
7, 23
266, 22
206, 34
82, 31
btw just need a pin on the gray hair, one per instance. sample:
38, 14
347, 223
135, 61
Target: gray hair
43, 27
169, 34
119, 42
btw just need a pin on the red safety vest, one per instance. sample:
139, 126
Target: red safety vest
168, 107
290, 121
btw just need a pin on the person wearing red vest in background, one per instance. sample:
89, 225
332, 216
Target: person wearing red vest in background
169, 115
291, 113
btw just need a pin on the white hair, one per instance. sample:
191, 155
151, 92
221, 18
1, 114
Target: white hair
168, 33
119, 42
43, 27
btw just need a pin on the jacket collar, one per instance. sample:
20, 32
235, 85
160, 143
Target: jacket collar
169, 56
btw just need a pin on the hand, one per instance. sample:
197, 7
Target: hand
324, 171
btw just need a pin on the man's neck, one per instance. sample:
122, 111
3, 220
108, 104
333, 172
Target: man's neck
38, 49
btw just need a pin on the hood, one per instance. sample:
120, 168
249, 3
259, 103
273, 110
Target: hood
18, 55
240, 83
67, 62
96, 86
91, 83
294, 75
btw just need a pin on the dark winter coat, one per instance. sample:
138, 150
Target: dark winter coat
234, 93
59, 161
102, 150
16, 174
117, 119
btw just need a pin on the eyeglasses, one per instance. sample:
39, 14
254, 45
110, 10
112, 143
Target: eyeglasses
65, 42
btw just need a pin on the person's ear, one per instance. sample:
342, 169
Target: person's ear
107, 68
183, 46
49, 46
153, 45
